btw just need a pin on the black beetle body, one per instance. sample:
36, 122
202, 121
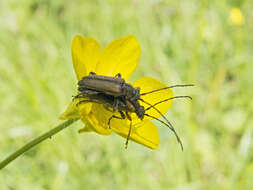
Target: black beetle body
125, 96
115, 86
115, 93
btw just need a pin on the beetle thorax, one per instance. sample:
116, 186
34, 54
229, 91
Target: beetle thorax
130, 92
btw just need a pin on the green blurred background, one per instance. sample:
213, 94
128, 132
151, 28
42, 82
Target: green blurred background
182, 42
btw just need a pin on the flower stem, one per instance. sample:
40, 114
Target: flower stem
36, 141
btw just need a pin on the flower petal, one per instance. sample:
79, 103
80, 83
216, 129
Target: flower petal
144, 133
120, 56
71, 112
85, 55
97, 119
148, 84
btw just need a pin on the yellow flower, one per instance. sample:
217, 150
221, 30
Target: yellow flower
120, 56
236, 17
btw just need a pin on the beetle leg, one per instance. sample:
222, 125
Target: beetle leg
115, 105
78, 96
83, 101
87, 101
122, 115
94, 99
130, 128
118, 75
92, 73
84, 95
116, 117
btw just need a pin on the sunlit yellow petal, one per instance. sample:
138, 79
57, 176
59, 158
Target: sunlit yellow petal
144, 133
97, 119
87, 127
148, 84
71, 112
120, 56
85, 55
236, 17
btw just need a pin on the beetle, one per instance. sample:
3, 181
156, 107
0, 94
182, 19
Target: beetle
115, 86
114, 92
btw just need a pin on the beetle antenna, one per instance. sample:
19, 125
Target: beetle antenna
171, 128
174, 86
175, 97
169, 124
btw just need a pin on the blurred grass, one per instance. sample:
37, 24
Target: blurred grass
182, 42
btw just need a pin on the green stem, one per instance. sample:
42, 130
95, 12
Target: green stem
36, 141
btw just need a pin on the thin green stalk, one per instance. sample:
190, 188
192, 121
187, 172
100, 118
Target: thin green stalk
36, 141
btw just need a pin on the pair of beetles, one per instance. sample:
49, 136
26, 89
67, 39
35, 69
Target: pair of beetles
115, 93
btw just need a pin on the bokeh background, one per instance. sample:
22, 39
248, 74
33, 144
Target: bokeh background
208, 43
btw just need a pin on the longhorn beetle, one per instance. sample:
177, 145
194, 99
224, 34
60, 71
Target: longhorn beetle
114, 92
